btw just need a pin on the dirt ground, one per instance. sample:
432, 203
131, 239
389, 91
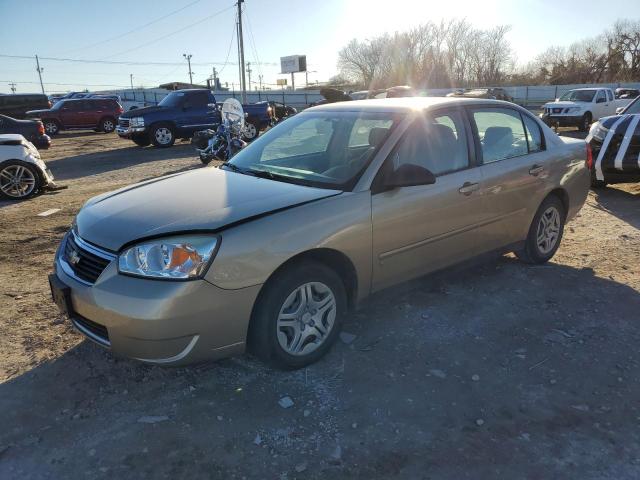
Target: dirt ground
491, 370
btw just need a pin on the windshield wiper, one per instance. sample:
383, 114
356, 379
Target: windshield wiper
271, 175
235, 168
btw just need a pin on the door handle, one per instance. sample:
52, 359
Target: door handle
536, 170
468, 188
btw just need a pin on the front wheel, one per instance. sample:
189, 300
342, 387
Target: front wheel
18, 180
162, 136
545, 232
298, 315
585, 122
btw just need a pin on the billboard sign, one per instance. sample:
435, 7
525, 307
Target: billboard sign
293, 64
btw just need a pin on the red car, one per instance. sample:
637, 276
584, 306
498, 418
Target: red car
99, 114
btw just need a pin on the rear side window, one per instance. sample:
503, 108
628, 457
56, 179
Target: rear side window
501, 134
609, 95
534, 134
437, 143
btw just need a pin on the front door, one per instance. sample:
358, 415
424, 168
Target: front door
419, 229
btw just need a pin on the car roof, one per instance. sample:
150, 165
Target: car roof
11, 137
404, 104
591, 88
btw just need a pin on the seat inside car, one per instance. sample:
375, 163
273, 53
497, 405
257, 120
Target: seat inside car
347, 170
497, 142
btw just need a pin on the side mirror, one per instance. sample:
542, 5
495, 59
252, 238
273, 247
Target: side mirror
409, 175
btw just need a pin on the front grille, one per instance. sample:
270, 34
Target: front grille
123, 122
93, 330
557, 110
85, 264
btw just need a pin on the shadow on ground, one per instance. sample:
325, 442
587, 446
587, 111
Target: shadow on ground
621, 203
496, 370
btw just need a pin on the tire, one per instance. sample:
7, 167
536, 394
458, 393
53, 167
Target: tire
250, 132
273, 340
31, 180
141, 141
595, 183
550, 216
585, 122
107, 125
51, 127
162, 135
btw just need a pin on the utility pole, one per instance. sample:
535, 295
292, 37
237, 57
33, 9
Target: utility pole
215, 78
241, 48
188, 57
13, 87
40, 70
249, 73
131, 80
260, 79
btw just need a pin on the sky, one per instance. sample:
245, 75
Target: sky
162, 31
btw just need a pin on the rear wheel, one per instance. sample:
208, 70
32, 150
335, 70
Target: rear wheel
545, 232
585, 122
18, 180
297, 317
162, 135
107, 125
52, 127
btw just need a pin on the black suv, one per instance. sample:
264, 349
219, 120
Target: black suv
16, 105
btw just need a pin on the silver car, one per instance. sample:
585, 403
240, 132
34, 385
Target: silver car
271, 250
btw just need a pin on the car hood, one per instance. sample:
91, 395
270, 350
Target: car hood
137, 112
206, 199
38, 112
565, 103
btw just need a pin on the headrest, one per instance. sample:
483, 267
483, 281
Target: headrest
377, 135
494, 135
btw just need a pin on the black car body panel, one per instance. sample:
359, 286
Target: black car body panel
615, 143
29, 129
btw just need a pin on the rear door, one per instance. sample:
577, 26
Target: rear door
422, 228
601, 106
513, 160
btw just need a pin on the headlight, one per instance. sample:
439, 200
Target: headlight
136, 122
180, 257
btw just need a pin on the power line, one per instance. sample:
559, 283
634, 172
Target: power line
172, 33
137, 29
121, 62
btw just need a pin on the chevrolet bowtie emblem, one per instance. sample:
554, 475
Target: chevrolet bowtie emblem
74, 258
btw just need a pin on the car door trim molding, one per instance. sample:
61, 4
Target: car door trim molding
385, 255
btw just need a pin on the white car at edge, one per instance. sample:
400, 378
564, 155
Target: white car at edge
22, 172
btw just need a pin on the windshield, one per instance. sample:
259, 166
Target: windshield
172, 100
633, 107
579, 95
321, 149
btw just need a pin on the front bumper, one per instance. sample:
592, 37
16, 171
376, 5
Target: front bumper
157, 321
562, 120
129, 132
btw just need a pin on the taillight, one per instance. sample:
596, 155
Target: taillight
49, 102
119, 110
40, 128
589, 161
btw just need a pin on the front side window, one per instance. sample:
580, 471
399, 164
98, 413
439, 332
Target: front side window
579, 96
437, 142
323, 149
501, 134
174, 99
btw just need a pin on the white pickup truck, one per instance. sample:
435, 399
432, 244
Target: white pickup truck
580, 107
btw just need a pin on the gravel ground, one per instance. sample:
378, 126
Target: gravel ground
490, 370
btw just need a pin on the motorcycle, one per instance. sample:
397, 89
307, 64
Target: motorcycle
224, 142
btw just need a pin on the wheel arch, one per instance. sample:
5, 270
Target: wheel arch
562, 194
334, 259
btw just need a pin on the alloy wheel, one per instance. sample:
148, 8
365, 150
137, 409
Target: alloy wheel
17, 181
548, 230
250, 131
306, 318
108, 126
163, 135
51, 128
